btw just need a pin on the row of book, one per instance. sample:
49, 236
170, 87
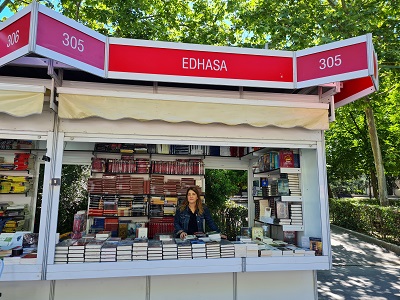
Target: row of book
277, 159
12, 144
22, 162
129, 185
232, 151
115, 249
127, 164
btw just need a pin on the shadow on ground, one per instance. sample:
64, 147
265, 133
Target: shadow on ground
361, 270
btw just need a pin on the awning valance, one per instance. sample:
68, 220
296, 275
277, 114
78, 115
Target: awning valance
21, 100
201, 110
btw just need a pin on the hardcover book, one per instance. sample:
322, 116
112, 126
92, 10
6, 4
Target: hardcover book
282, 210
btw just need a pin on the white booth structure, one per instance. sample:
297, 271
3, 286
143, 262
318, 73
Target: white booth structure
66, 88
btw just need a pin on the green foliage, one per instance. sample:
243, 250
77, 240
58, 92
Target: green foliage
367, 216
220, 185
230, 218
73, 195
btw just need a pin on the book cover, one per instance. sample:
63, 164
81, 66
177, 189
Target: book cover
286, 159
257, 233
316, 245
282, 210
290, 237
283, 187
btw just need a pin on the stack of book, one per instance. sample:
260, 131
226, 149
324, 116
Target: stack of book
268, 250
29, 258
93, 250
157, 184
139, 249
227, 249
184, 249
213, 249
109, 250
170, 250
198, 249
286, 251
61, 252
294, 184
109, 184
297, 251
137, 185
124, 250
154, 250
296, 214
103, 235
240, 249
251, 250
76, 251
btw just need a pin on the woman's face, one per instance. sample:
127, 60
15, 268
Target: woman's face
192, 197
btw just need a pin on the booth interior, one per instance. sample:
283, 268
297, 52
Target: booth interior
138, 174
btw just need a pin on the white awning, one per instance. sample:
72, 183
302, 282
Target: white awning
21, 100
113, 105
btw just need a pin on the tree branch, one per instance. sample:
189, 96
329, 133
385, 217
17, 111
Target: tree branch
332, 3
4, 4
344, 6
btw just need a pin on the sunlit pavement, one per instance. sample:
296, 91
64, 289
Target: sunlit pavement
361, 270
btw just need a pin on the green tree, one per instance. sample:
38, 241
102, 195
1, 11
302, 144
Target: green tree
300, 24
73, 195
220, 186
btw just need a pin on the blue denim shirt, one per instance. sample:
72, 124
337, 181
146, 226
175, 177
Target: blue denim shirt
181, 221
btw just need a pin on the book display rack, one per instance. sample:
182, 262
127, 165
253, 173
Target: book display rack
16, 184
277, 191
129, 183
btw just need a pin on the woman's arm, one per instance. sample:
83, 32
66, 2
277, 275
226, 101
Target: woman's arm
178, 227
209, 221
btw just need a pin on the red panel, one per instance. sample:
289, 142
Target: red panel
332, 62
66, 40
352, 87
15, 35
161, 61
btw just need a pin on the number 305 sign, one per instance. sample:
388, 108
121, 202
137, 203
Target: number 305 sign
332, 62
67, 42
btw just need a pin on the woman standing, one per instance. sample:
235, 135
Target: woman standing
190, 216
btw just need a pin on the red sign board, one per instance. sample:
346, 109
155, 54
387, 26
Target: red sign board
352, 61
354, 89
15, 36
68, 44
199, 64
337, 61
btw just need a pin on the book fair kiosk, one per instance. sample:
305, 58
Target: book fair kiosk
80, 97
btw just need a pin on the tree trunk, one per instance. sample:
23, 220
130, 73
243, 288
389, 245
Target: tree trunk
374, 183
376, 150
330, 194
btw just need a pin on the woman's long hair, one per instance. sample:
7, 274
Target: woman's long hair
199, 204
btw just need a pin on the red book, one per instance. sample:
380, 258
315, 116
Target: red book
286, 159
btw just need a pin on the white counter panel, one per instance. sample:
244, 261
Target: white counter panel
101, 289
184, 287
276, 285
143, 268
21, 290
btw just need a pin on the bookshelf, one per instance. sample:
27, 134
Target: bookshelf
128, 184
277, 196
16, 185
